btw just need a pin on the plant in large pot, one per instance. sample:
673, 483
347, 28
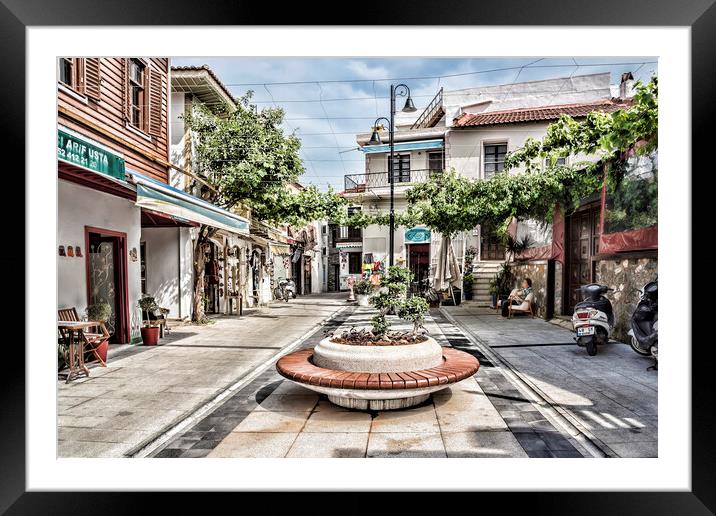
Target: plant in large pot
100, 312
363, 289
467, 282
502, 284
150, 332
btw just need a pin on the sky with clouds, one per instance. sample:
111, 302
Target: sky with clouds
329, 100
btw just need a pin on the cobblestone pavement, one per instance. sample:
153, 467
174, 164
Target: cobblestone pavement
611, 399
484, 416
147, 390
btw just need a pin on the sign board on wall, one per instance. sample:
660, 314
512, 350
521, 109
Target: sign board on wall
417, 236
78, 150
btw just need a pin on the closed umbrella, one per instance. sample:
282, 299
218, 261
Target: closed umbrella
447, 272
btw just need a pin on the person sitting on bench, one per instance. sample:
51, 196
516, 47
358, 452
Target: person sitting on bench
517, 296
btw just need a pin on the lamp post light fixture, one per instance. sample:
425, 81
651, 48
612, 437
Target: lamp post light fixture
403, 91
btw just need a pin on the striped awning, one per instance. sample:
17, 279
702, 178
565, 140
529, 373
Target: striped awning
158, 196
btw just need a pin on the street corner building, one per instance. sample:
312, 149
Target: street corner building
126, 220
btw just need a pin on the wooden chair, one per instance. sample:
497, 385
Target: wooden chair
527, 307
92, 340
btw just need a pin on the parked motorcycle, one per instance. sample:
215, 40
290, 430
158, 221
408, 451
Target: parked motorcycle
286, 288
593, 318
645, 322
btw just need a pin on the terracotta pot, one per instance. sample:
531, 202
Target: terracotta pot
102, 350
150, 335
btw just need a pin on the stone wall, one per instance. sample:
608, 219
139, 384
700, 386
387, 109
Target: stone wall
558, 287
626, 276
537, 272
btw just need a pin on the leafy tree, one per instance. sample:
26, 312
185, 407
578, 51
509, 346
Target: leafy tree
245, 161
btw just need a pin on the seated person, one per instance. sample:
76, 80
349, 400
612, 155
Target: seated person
517, 296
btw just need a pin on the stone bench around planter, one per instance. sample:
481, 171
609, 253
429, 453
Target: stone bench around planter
377, 390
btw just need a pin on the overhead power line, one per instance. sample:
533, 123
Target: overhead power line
426, 77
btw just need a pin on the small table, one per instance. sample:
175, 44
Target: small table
76, 349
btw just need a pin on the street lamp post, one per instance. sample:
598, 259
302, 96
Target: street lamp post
403, 91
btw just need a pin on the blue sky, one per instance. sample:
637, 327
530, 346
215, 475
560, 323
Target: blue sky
339, 97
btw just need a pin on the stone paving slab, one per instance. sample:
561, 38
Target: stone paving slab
612, 397
146, 390
482, 416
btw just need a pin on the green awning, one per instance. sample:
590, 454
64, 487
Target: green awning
166, 199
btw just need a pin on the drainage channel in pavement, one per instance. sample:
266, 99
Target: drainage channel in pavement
555, 415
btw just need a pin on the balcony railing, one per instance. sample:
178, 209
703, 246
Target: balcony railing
356, 183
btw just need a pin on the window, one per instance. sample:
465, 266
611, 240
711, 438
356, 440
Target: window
137, 97
72, 72
354, 233
560, 162
401, 167
494, 158
354, 263
435, 162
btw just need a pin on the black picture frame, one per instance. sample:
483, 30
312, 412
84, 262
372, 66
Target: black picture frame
700, 15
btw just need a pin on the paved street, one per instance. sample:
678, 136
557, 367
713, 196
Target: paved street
145, 391
213, 391
610, 398
484, 416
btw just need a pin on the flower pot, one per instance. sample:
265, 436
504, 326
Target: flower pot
362, 299
150, 335
468, 291
102, 350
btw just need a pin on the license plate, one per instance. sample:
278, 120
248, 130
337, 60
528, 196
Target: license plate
585, 330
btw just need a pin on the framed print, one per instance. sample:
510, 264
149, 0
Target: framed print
226, 184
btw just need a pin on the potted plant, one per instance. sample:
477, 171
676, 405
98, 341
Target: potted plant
100, 312
501, 285
362, 289
150, 333
467, 282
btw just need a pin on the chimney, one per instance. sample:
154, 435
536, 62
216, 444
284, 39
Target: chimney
626, 87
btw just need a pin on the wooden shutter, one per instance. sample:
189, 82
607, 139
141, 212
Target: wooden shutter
92, 77
126, 105
156, 92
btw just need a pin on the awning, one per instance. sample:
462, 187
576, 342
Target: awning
404, 146
349, 245
166, 199
279, 248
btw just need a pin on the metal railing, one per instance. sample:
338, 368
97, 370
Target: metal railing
427, 117
356, 183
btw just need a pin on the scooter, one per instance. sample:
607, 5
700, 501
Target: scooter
286, 288
644, 330
593, 318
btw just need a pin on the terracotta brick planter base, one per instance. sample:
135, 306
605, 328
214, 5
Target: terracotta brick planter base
377, 391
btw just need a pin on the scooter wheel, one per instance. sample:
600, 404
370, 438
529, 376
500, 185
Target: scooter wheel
592, 347
635, 346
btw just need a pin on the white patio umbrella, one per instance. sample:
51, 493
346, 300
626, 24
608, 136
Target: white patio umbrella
447, 272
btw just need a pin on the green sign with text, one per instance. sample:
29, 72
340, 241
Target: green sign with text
417, 236
73, 149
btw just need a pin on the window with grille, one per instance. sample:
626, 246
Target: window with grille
399, 169
435, 162
494, 158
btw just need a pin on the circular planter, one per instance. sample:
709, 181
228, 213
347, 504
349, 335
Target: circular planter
150, 335
377, 359
363, 299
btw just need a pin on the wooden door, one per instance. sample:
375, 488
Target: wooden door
491, 246
419, 264
582, 246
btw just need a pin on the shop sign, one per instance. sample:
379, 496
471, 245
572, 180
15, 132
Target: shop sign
417, 236
71, 148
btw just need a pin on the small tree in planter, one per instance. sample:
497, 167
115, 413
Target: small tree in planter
414, 309
467, 282
101, 312
150, 333
362, 289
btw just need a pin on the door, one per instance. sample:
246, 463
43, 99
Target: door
400, 168
106, 268
582, 245
491, 245
419, 265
